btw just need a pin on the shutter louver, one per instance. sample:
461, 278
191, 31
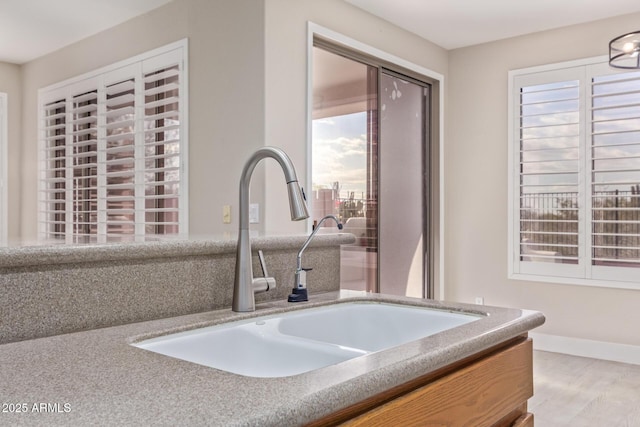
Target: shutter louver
549, 170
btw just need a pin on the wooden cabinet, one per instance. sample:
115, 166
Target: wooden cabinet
490, 389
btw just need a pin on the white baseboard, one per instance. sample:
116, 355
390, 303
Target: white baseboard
586, 348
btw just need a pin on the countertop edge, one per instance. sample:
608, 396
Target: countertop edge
27, 256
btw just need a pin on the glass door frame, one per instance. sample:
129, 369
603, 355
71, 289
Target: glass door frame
427, 247
4, 162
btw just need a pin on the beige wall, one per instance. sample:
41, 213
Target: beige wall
226, 108
476, 186
10, 83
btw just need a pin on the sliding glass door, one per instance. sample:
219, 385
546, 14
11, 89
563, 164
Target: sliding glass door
370, 168
344, 159
403, 189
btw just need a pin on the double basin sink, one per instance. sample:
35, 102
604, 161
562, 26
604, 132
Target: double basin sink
299, 341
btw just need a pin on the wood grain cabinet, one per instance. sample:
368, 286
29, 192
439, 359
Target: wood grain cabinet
489, 389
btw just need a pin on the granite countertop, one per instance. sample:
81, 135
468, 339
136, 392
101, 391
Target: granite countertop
97, 377
55, 254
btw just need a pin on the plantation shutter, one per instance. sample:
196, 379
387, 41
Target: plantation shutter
84, 162
53, 171
162, 148
615, 168
118, 213
575, 189
112, 152
549, 160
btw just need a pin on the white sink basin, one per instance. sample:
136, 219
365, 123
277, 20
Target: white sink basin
370, 327
303, 340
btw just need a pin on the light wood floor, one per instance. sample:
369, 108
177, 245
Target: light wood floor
581, 392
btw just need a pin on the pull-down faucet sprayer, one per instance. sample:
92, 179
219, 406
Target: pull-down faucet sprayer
245, 286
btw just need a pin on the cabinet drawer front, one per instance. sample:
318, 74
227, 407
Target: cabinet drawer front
480, 394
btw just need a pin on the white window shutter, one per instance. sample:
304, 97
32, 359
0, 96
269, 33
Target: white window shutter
83, 176
119, 178
162, 148
53, 183
549, 172
615, 170
575, 181
111, 151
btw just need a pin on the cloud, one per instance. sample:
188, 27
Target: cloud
339, 153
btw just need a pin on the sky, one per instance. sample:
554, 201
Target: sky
551, 157
340, 153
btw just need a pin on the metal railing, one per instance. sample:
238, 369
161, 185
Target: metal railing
549, 222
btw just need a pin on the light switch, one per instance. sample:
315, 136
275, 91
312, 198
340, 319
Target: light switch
226, 214
254, 213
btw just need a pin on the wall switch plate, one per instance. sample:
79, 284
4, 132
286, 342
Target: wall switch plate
480, 300
254, 213
226, 214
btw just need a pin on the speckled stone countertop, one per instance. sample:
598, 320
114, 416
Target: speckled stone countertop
56, 289
53, 254
97, 378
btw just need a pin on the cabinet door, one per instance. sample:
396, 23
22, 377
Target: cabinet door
525, 420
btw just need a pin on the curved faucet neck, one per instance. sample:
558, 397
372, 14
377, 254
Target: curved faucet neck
244, 284
313, 233
245, 179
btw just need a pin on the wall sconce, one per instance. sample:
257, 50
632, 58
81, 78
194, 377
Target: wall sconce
624, 51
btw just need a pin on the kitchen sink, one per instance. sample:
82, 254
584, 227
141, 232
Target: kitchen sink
299, 341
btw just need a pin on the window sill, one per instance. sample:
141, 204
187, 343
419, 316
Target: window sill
612, 284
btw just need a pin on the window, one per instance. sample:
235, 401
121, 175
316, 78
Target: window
113, 151
575, 175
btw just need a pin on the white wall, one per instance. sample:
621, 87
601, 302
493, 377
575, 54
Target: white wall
476, 187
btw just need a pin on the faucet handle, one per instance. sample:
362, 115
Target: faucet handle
263, 284
263, 264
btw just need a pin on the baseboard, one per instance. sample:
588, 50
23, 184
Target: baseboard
586, 348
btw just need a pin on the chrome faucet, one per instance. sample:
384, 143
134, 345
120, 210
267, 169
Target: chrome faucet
245, 286
299, 291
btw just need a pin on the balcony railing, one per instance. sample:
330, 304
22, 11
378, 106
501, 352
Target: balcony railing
549, 224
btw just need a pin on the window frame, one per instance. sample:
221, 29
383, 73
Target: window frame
100, 79
4, 154
584, 273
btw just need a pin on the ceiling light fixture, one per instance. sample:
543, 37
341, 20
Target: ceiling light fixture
624, 51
